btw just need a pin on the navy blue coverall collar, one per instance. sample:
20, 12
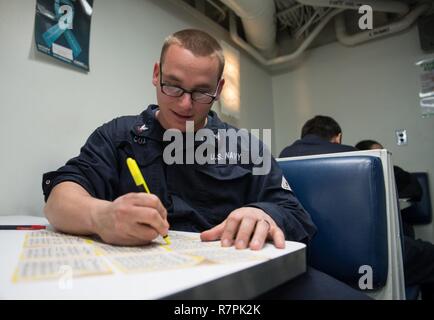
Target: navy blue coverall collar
148, 127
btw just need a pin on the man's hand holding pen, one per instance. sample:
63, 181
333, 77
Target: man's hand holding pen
132, 219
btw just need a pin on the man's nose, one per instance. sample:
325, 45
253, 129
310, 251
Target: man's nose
186, 102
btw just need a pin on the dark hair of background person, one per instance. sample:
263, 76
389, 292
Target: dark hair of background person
323, 126
366, 144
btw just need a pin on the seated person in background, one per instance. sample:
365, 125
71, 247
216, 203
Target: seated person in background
321, 134
418, 254
95, 194
407, 185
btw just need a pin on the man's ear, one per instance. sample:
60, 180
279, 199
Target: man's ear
221, 84
156, 74
337, 139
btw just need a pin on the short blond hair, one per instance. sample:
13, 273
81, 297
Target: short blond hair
198, 42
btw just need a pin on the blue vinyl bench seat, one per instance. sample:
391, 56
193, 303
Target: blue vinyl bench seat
346, 198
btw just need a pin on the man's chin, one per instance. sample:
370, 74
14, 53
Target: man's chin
183, 125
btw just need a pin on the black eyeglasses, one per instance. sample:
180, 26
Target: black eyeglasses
175, 91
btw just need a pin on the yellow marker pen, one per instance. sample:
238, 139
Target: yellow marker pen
140, 182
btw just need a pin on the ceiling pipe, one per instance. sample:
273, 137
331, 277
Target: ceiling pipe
376, 5
259, 23
282, 59
390, 29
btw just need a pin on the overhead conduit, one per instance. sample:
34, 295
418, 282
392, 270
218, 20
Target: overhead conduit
376, 5
258, 21
259, 24
282, 59
260, 27
387, 30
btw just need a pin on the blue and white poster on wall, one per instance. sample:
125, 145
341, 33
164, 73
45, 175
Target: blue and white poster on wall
62, 30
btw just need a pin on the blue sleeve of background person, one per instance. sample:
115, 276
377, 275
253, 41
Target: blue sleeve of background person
95, 168
282, 205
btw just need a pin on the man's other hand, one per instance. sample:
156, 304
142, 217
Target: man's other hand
246, 227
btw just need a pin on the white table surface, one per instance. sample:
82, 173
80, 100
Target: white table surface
287, 263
